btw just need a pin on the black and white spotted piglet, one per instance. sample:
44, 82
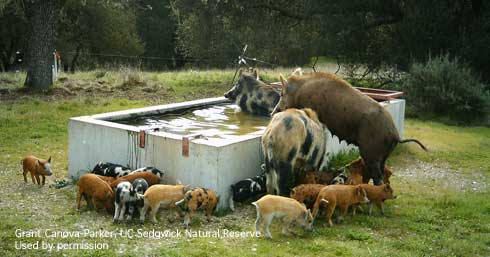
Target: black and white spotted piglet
110, 169
123, 197
247, 189
136, 202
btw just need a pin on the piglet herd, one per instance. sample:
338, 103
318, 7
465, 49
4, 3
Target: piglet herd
291, 187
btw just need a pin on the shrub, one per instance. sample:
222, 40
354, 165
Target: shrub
446, 87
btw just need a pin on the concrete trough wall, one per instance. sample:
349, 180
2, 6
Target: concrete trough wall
211, 163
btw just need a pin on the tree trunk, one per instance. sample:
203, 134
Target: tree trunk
42, 17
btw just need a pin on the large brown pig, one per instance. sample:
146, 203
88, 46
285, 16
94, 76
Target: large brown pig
341, 196
293, 143
348, 114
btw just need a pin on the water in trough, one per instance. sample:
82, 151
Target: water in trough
215, 121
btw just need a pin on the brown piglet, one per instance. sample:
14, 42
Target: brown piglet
377, 195
37, 167
95, 191
306, 193
341, 196
150, 178
285, 208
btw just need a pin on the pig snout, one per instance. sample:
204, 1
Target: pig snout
365, 199
231, 94
47, 170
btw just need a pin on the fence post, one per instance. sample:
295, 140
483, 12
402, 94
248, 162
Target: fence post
55, 68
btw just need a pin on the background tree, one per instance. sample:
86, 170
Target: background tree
104, 29
13, 33
42, 18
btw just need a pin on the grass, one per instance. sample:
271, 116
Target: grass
430, 217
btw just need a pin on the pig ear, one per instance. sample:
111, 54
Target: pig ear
39, 162
49, 160
256, 74
283, 81
297, 72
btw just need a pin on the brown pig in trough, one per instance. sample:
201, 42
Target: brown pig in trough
348, 114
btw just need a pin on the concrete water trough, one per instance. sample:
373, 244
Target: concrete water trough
199, 156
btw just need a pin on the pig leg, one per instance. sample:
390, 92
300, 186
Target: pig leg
38, 180
330, 210
153, 212
79, 198
187, 218
25, 176
268, 221
116, 212
32, 176
258, 222
343, 212
143, 212
130, 211
374, 171
285, 228
209, 212
381, 207
122, 211
44, 179
370, 208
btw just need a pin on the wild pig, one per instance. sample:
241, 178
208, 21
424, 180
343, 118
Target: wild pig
306, 193
96, 191
136, 202
252, 95
347, 113
153, 170
107, 179
161, 196
289, 210
341, 196
110, 169
356, 173
293, 143
377, 195
246, 189
198, 198
124, 195
316, 177
150, 178
37, 167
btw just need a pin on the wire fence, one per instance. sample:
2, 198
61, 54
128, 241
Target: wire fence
73, 61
